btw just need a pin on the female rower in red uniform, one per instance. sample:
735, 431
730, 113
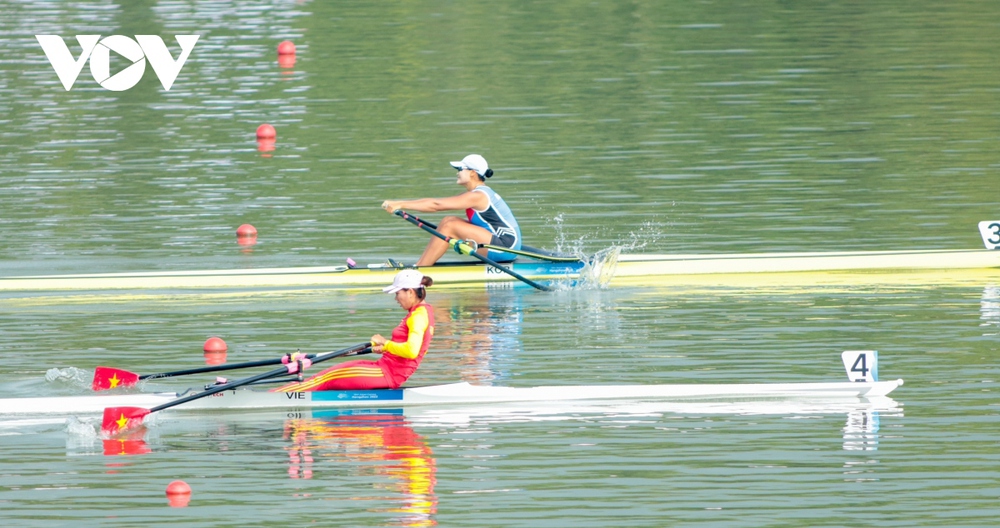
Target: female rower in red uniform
487, 220
401, 354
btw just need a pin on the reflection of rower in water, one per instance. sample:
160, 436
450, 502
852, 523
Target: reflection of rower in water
486, 328
401, 355
488, 219
379, 443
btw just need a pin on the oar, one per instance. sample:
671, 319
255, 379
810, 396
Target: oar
110, 378
461, 247
118, 419
525, 251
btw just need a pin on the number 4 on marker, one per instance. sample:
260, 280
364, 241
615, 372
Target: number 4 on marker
861, 365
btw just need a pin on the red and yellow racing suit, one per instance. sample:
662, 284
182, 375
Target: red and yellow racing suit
401, 356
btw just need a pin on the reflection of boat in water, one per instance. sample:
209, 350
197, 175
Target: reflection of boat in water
388, 462
861, 431
380, 445
859, 434
989, 310
568, 411
355, 430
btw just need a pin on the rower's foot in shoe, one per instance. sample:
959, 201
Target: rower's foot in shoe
400, 266
391, 264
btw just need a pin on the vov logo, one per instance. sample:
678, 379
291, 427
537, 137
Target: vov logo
99, 50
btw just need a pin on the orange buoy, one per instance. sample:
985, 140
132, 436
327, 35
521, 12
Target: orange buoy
286, 48
215, 344
246, 235
246, 230
178, 487
178, 494
266, 131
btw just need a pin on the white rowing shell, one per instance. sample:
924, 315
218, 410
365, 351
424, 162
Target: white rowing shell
452, 394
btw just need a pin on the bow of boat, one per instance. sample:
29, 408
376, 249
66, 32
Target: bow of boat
466, 393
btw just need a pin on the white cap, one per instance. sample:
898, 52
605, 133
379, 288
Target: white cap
406, 279
474, 162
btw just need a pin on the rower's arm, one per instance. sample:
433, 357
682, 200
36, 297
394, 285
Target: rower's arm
475, 200
417, 322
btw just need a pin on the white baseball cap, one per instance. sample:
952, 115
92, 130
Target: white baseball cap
474, 162
406, 279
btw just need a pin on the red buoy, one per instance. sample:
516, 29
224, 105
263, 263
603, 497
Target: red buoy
286, 48
215, 344
178, 487
246, 230
266, 131
178, 494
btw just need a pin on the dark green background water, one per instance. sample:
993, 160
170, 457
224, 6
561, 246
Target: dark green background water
659, 126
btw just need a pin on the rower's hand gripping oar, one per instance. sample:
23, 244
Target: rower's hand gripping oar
119, 419
463, 248
106, 378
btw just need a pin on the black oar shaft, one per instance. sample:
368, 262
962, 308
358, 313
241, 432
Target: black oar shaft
423, 225
218, 388
217, 368
354, 350
528, 251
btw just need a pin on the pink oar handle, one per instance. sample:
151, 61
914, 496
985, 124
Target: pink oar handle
299, 366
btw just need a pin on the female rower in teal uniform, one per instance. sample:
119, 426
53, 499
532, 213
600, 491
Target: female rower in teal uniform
488, 219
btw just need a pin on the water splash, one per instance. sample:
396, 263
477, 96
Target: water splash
649, 233
600, 267
84, 437
563, 244
71, 377
83, 430
599, 271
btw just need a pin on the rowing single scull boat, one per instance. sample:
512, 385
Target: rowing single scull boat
605, 267
125, 410
450, 394
610, 269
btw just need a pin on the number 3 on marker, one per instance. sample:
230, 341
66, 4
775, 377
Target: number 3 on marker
990, 231
861, 365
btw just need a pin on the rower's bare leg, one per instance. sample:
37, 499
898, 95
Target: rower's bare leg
454, 227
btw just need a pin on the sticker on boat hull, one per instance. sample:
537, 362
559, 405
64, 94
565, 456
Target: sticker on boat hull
540, 269
356, 395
